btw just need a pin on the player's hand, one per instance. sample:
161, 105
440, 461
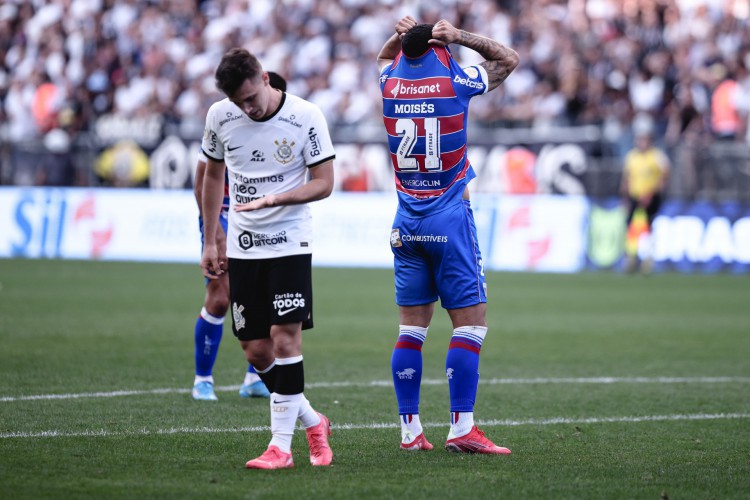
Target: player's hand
444, 33
211, 264
404, 25
221, 248
263, 202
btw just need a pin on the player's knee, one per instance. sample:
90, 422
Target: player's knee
287, 340
475, 315
259, 353
217, 305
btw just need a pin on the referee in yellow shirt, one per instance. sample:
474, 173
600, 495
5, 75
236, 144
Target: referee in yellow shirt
644, 179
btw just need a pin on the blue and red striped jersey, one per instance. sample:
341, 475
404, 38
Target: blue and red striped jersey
425, 108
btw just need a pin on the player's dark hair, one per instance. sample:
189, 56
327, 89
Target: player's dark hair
276, 81
416, 41
236, 66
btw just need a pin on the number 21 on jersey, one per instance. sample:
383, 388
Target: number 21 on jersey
408, 127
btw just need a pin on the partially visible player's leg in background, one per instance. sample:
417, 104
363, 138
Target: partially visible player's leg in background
208, 332
253, 386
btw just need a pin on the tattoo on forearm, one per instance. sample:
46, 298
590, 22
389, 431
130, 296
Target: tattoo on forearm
500, 60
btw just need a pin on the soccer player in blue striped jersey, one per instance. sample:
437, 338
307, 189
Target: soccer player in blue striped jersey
426, 96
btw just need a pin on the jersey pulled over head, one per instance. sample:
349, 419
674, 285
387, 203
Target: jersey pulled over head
426, 98
416, 41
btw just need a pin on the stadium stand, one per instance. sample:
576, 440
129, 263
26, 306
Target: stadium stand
79, 77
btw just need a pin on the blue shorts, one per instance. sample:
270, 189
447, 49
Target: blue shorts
223, 220
438, 257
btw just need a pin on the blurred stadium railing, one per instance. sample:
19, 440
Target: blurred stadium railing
555, 160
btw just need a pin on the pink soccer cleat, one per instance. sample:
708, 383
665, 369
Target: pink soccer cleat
475, 442
317, 438
272, 458
420, 443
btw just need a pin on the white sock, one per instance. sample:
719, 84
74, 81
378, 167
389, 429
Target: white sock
207, 378
411, 427
461, 423
284, 411
307, 415
250, 378
214, 320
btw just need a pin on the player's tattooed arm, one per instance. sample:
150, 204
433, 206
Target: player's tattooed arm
500, 60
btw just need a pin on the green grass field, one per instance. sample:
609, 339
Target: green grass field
604, 386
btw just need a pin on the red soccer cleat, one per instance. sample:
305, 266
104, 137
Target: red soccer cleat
272, 458
420, 443
317, 438
475, 442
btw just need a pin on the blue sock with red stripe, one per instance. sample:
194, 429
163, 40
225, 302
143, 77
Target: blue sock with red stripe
406, 366
462, 369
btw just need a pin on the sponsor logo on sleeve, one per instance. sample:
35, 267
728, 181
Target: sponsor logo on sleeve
314, 142
212, 139
468, 83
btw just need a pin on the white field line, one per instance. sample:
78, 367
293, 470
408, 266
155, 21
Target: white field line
388, 383
375, 426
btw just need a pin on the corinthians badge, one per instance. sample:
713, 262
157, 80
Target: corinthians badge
284, 153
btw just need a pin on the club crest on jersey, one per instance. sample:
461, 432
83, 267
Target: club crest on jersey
284, 153
395, 238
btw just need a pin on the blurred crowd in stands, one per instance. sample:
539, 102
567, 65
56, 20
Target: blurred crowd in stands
680, 66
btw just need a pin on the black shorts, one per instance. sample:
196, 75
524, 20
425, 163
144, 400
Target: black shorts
651, 210
265, 292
